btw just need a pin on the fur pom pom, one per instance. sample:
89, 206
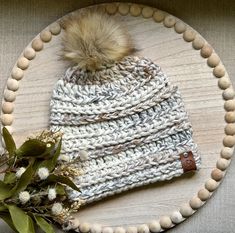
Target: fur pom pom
92, 39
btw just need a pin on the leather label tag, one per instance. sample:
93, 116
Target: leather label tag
188, 161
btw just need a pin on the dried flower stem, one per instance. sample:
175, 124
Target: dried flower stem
8, 169
6, 161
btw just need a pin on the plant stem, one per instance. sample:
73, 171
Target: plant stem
15, 159
44, 215
7, 170
6, 161
39, 207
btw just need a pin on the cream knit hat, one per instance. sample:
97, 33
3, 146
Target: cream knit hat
129, 120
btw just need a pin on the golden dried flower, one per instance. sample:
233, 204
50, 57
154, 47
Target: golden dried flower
48, 136
68, 170
76, 205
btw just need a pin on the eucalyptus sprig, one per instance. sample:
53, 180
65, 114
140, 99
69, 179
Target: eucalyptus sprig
31, 193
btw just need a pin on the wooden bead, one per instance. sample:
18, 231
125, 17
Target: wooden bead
154, 226
37, 44
9, 96
229, 117
229, 105
84, 227
224, 83
119, 230
131, 230
222, 164
219, 71
228, 93
169, 21
186, 210
6, 119
143, 228
213, 60
107, 230
55, 28
206, 51
29, 53
230, 129
45, 36
147, 12
217, 174
12, 84
165, 222
203, 194
17, 73
180, 27
72, 224
111, 8
101, 8
123, 8
158, 16
7, 107
96, 228
226, 153
198, 42
189, 35
176, 217
211, 185
229, 141
195, 203
23, 63
135, 10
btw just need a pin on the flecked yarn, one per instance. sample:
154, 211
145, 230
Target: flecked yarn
131, 121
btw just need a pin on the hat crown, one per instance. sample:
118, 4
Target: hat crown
126, 83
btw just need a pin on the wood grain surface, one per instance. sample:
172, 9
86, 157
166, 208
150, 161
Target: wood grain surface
198, 87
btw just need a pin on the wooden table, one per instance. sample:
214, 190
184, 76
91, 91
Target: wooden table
216, 25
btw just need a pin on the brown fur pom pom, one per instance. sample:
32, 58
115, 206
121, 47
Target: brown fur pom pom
92, 39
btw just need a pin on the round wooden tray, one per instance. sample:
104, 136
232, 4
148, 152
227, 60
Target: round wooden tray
189, 61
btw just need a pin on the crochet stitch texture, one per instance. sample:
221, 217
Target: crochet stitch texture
129, 118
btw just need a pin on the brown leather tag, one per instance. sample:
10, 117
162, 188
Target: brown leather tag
188, 161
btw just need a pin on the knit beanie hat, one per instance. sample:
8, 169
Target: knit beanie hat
124, 125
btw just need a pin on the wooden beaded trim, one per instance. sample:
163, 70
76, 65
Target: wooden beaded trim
219, 71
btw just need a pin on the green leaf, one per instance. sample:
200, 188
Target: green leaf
60, 190
7, 218
62, 180
31, 148
51, 163
10, 178
4, 191
43, 224
24, 180
2, 208
31, 225
57, 153
9, 141
22, 222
